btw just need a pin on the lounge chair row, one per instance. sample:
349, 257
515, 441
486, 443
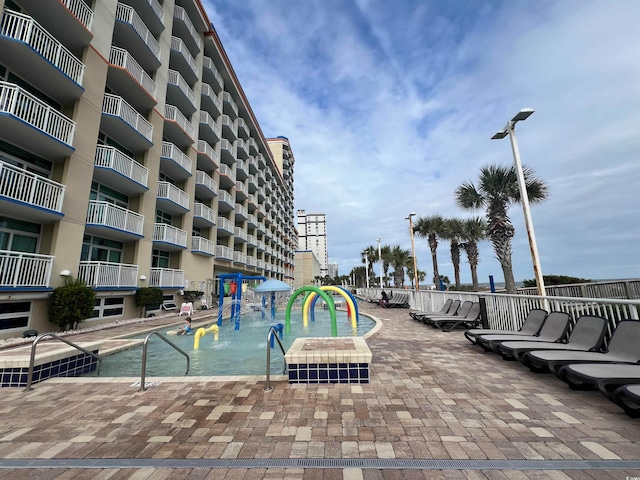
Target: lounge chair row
579, 358
453, 314
399, 300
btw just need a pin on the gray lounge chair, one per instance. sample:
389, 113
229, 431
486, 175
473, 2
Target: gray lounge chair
470, 319
624, 347
606, 376
453, 308
587, 335
531, 326
628, 397
443, 310
462, 312
400, 300
553, 329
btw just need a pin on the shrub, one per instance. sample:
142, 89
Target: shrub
192, 295
556, 280
148, 297
71, 304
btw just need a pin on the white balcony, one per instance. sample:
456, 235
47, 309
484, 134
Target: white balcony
24, 270
210, 101
203, 246
226, 171
203, 216
124, 124
151, 13
177, 128
253, 148
166, 278
170, 237
252, 241
172, 199
252, 220
183, 60
208, 160
225, 201
183, 27
206, 186
227, 151
38, 57
242, 169
229, 128
112, 221
174, 162
30, 196
230, 105
211, 75
239, 257
33, 125
180, 94
130, 30
115, 169
225, 226
240, 235
210, 130
125, 75
243, 128
224, 253
106, 275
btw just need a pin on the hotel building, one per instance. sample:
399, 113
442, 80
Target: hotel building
312, 235
129, 157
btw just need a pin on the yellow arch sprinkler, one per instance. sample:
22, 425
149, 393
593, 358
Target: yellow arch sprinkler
201, 332
310, 297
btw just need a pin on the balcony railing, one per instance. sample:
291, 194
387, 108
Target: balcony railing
166, 277
18, 269
127, 14
169, 150
157, 8
225, 224
226, 98
207, 91
113, 216
240, 233
174, 78
203, 179
110, 157
179, 12
203, 211
224, 252
203, 245
224, 196
178, 45
173, 193
239, 257
105, 274
208, 65
18, 102
81, 11
25, 29
227, 172
173, 114
116, 106
163, 232
123, 59
24, 186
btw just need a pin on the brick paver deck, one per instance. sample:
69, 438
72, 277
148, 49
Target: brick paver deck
433, 396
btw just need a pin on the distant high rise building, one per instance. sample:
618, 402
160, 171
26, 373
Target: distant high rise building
333, 270
312, 235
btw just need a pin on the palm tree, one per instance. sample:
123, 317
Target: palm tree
474, 229
369, 256
386, 260
497, 190
431, 227
452, 230
399, 259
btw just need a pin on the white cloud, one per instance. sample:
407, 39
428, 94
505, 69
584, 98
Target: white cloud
389, 106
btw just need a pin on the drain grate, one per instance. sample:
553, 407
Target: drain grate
364, 463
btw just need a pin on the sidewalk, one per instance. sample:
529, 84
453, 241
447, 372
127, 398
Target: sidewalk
437, 408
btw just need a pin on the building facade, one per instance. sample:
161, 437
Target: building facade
307, 269
312, 235
129, 157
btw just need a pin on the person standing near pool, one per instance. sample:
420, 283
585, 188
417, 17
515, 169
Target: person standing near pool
186, 328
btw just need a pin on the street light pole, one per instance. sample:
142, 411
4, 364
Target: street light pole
413, 252
366, 267
509, 129
380, 263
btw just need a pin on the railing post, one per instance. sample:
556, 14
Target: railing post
483, 312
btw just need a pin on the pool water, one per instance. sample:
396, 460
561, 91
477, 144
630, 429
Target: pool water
236, 352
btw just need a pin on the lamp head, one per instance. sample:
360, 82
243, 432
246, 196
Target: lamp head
500, 135
522, 115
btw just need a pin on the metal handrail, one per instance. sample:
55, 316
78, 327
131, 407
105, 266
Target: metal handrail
71, 344
272, 332
144, 357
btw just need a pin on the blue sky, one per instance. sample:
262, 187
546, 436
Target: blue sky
390, 105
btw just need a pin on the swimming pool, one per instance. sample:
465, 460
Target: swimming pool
236, 352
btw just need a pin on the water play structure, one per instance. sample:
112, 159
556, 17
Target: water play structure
201, 332
308, 309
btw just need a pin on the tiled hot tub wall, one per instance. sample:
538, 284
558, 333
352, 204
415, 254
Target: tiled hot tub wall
72, 366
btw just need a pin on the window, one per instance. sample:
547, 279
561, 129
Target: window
103, 193
18, 235
108, 307
160, 259
164, 217
98, 249
14, 315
